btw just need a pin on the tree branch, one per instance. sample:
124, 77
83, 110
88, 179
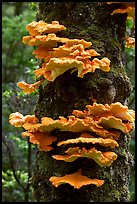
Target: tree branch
11, 163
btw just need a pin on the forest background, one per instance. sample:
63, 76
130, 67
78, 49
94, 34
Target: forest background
18, 64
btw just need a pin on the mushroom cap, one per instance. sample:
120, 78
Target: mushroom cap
58, 66
37, 28
115, 109
18, 120
102, 141
77, 180
102, 158
43, 140
49, 40
75, 51
29, 88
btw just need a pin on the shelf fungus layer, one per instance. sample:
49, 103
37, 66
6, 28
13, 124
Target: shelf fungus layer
99, 125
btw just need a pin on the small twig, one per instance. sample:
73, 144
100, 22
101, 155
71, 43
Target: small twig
29, 172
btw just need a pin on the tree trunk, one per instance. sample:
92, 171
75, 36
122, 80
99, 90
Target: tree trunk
18, 8
91, 21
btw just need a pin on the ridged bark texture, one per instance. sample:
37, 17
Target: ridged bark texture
91, 21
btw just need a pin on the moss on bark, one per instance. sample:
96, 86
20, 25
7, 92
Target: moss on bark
93, 22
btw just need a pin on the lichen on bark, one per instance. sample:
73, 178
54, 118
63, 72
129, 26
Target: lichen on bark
91, 21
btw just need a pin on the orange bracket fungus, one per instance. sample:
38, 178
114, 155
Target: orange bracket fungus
42, 139
98, 125
97, 119
29, 88
105, 142
77, 180
58, 59
102, 158
17, 119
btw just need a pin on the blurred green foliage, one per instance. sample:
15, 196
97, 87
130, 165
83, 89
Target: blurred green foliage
130, 69
18, 64
9, 183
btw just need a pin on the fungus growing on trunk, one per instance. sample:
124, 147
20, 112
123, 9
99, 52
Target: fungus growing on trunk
115, 109
36, 28
101, 158
42, 139
98, 125
104, 142
112, 122
104, 120
96, 119
29, 88
77, 180
58, 59
72, 124
57, 66
17, 119
49, 40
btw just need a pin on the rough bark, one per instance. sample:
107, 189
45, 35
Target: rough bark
93, 22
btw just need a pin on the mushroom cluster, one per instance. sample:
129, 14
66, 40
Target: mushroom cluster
59, 54
98, 124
